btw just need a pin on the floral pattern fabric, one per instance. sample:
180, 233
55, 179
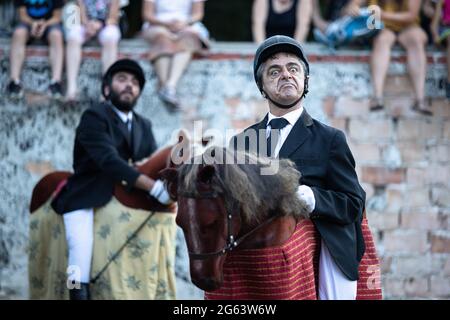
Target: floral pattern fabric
144, 269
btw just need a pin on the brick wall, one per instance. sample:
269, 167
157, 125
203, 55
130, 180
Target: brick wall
402, 158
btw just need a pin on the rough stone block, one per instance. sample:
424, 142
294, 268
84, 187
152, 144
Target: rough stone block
370, 130
347, 106
405, 241
419, 129
440, 286
440, 242
382, 175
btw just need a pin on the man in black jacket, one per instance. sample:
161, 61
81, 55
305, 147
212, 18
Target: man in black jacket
329, 184
109, 139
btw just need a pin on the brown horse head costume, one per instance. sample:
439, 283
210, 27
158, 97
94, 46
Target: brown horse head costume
223, 206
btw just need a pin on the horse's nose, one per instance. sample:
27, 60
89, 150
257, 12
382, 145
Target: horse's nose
207, 284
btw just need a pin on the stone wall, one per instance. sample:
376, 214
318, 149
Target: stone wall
402, 158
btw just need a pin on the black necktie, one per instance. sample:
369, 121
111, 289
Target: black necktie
128, 130
275, 124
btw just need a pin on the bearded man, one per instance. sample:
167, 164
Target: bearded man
109, 139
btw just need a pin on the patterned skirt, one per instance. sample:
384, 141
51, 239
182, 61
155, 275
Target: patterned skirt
144, 269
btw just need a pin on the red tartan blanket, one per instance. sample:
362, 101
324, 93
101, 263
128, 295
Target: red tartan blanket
289, 271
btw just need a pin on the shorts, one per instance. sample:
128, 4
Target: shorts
197, 28
108, 33
56, 26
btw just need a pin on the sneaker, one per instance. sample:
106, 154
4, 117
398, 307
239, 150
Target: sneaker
169, 96
14, 90
55, 90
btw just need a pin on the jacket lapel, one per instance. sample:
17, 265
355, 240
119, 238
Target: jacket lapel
136, 135
260, 126
297, 136
119, 123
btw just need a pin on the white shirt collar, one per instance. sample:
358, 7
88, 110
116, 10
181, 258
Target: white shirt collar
122, 115
291, 117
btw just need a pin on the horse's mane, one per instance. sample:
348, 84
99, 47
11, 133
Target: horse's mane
258, 195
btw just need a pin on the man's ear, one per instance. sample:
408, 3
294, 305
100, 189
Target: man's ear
107, 90
170, 177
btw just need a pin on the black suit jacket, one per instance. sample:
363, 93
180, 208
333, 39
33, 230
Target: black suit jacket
326, 164
102, 157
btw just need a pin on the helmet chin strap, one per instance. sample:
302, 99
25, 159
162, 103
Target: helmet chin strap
280, 105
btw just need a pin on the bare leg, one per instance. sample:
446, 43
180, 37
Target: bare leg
162, 68
380, 59
109, 54
179, 63
448, 59
413, 40
56, 54
73, 60
17, 54
109, 38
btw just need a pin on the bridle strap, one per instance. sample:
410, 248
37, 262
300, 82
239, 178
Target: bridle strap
231, 242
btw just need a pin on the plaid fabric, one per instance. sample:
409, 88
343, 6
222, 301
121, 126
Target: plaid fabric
290, 271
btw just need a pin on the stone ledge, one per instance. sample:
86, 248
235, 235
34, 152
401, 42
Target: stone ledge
137, 49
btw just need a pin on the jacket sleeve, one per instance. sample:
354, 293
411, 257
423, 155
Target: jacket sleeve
94, 137
344, 199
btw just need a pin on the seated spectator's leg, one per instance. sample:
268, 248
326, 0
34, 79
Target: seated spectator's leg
17, 54
380, 59
109, 38
448, 68
189, 40
56, 52
75, 39
161, 42
179, 63
413, 40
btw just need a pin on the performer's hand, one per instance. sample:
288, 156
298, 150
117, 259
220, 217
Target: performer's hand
160, 193
306, 194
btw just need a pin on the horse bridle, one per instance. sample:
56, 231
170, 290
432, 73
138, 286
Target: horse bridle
231, 242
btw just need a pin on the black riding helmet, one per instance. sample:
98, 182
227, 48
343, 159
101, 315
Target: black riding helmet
277, 44
127, 65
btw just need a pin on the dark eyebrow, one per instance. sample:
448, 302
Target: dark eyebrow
279, 66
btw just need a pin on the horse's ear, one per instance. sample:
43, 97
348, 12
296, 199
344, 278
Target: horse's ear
170, 176
206, 173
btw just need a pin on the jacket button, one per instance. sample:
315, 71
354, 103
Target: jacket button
124, 183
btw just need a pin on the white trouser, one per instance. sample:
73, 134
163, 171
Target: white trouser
79, 226
333, 284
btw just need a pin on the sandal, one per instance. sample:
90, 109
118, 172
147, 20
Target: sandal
420, 107
376, 104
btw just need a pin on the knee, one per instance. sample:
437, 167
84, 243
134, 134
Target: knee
384, 40
20, 35
75, 35
109, 35
415, 44
55, 37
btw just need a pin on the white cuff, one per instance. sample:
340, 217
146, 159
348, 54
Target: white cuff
160, 193
306, 194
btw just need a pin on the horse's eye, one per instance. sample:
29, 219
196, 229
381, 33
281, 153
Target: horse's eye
211, 224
